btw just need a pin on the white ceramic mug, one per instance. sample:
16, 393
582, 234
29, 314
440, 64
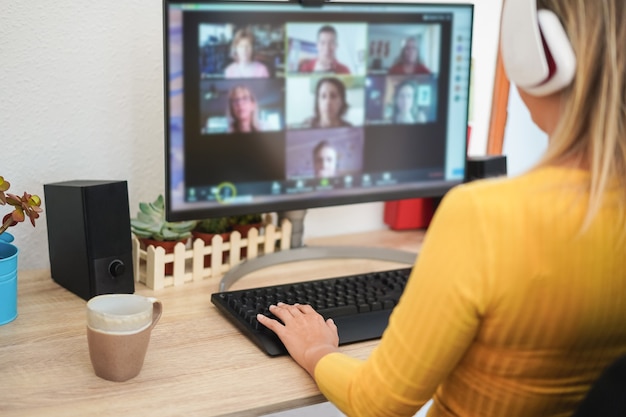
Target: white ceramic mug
118, 333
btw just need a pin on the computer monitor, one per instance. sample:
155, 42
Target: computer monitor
275, 106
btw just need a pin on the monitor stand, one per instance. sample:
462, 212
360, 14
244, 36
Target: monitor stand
299, 252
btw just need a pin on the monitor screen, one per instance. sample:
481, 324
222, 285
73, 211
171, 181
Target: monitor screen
273, 106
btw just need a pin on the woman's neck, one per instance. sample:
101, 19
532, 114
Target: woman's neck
327, 122
244, 126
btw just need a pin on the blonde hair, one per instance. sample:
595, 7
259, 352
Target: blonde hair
591, 132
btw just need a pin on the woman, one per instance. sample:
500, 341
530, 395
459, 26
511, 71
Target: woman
242, 110
409, 61
330, 104
516, 302
243, 66
405, 109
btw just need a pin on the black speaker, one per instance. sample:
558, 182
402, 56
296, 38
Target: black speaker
89, 237
478, 167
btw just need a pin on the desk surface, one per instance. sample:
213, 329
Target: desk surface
197, 362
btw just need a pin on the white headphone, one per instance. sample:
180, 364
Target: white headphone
536, 51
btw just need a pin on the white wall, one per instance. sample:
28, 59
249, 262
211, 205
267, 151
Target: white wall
81, 97
524, 143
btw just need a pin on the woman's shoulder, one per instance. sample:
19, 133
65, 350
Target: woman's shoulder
527, 188
421, 69
396, 69
259, 69
230, 70
253, 69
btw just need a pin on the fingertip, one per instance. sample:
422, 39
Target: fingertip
260, 317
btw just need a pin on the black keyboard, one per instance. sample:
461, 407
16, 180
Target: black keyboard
360, 305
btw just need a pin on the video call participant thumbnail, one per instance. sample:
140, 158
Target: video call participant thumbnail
401, 99
330, 104
229, 50
324, 154
406, 49
409, 62
242, 106
332, 49
333, 102
326, 60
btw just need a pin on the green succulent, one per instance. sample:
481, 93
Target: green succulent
151, 223
214, 225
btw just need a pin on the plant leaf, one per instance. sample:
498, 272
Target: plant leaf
141, 233
160, 202
4, 185
147, 209
181, 226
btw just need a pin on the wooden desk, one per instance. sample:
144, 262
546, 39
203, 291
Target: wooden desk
197, 363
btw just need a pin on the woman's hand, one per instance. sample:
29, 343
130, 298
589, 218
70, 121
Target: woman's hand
305, 333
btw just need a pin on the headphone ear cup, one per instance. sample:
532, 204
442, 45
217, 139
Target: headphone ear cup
559, 49
536, 51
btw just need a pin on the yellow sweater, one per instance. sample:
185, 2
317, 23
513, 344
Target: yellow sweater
508, 312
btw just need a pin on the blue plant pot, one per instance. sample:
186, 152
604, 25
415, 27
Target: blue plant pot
8, 282
6, 237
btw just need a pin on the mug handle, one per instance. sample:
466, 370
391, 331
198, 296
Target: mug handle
157, 309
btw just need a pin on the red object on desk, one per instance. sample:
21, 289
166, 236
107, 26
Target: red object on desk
415, 213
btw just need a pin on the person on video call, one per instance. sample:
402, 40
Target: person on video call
405, 108
243, 66
325, 60
515, 304
242, 110
330, 105
409, 62
325, 160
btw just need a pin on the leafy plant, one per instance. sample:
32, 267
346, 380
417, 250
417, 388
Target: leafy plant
246, 219
26, 205
150, 223
215, 225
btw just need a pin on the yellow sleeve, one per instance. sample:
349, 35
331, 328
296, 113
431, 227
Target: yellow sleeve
430, 329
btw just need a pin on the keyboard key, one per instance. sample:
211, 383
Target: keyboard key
338, 311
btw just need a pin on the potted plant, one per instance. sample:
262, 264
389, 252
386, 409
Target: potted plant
151, 228
206, 229
28, 205
243, 224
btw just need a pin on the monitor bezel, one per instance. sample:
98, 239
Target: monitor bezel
401, 192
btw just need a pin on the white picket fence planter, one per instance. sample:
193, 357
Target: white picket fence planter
188, 260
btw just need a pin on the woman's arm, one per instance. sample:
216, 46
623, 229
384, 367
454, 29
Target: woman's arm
429, 331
